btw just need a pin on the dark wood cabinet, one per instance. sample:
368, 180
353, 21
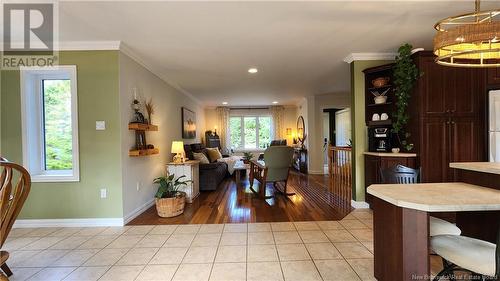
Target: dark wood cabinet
447, 117
494, 76
300, 160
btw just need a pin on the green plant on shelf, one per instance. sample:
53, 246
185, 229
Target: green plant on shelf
247, 156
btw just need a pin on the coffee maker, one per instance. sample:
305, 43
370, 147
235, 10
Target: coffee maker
379, 139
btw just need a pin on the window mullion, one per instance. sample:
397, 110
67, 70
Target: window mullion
257, 132
242, 135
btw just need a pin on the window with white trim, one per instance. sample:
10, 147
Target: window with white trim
249, 132
50, 123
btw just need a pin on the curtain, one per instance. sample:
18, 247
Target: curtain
223, 125
278, 114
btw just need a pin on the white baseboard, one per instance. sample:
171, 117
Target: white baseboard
359, 204
25, 223
132, 215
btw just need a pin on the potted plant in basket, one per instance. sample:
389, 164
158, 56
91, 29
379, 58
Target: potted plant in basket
247, 156
169, 200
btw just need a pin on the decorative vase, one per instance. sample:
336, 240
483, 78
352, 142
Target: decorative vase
171, 207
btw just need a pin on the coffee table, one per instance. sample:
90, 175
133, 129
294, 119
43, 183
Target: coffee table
238, 168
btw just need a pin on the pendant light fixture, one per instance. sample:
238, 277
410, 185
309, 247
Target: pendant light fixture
469, 40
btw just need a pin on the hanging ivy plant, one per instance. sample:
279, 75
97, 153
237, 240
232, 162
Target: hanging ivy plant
405, 75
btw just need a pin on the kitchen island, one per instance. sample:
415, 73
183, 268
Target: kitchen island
401, 222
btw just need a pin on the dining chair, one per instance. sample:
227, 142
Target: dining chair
275, 169
12, 198
400, 174
480, 258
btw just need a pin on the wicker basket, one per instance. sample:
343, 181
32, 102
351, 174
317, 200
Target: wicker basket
171, 207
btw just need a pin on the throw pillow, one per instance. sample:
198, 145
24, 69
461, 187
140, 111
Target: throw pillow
214, 154
201, 157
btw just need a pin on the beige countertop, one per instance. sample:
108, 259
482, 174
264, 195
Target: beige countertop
390, 154
438, 197
484, 167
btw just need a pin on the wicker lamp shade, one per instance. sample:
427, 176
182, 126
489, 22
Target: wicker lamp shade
470, 40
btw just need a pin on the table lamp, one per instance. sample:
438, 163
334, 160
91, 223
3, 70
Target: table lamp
178, 148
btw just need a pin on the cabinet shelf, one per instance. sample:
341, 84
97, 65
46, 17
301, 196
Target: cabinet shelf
379, 104
143, 152
142, 127
378, 88
380, 123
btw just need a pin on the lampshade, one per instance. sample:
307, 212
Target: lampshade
288, 131
177, 147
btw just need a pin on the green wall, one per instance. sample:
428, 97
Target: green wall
359, 130
100, 154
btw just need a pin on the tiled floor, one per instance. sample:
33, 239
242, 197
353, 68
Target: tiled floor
322, 250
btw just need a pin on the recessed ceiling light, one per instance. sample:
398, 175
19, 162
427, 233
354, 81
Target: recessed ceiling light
224, 102
253, 70
275, 102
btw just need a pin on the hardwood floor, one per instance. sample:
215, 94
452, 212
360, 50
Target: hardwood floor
230, 203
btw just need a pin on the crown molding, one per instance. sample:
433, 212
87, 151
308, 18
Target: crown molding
89, 45
369, 56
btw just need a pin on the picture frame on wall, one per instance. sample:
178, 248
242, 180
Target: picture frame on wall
188, 124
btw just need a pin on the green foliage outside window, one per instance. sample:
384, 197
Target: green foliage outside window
57, 124
256, 132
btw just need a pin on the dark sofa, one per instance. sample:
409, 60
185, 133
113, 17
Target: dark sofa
212, 174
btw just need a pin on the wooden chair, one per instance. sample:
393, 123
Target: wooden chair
275, 169
12, 199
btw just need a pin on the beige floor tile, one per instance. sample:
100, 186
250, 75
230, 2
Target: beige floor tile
43, 243
115, 230
211, 228
122, 273
260, 238
44, 258
339, 235
138, 256
90, 231
187, 228
18, 258
262, 253
200, 255
364, 268
19, 232
300, 271
70, 243
169, 256
259, 271
106, 257
326, 225
228, 272
306, 225
323, 251
367, 222
286, 237
191, 272
362, 234
368, 245
125, 241
75, 257
139, 230
42, 231
19, 243
206, 239
313, 236
259, 227
352, 224
163, 229
98, 242
163, 272
362, 214
292, 252
92, 273
23, 273
349, 217
52, 274
235, 227
179, 240
282, 226
231, 254
336, 270
353, 250
229, 239
66, 231
152, 241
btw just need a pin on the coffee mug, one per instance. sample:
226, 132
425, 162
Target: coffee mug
384, 116
375, 117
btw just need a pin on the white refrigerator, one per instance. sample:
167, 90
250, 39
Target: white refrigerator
494, 126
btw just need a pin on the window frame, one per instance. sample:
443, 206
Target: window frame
242, 124
32, 119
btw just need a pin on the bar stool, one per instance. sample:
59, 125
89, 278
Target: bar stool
461, 253
400, 174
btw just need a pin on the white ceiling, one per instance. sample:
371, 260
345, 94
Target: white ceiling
206, 47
